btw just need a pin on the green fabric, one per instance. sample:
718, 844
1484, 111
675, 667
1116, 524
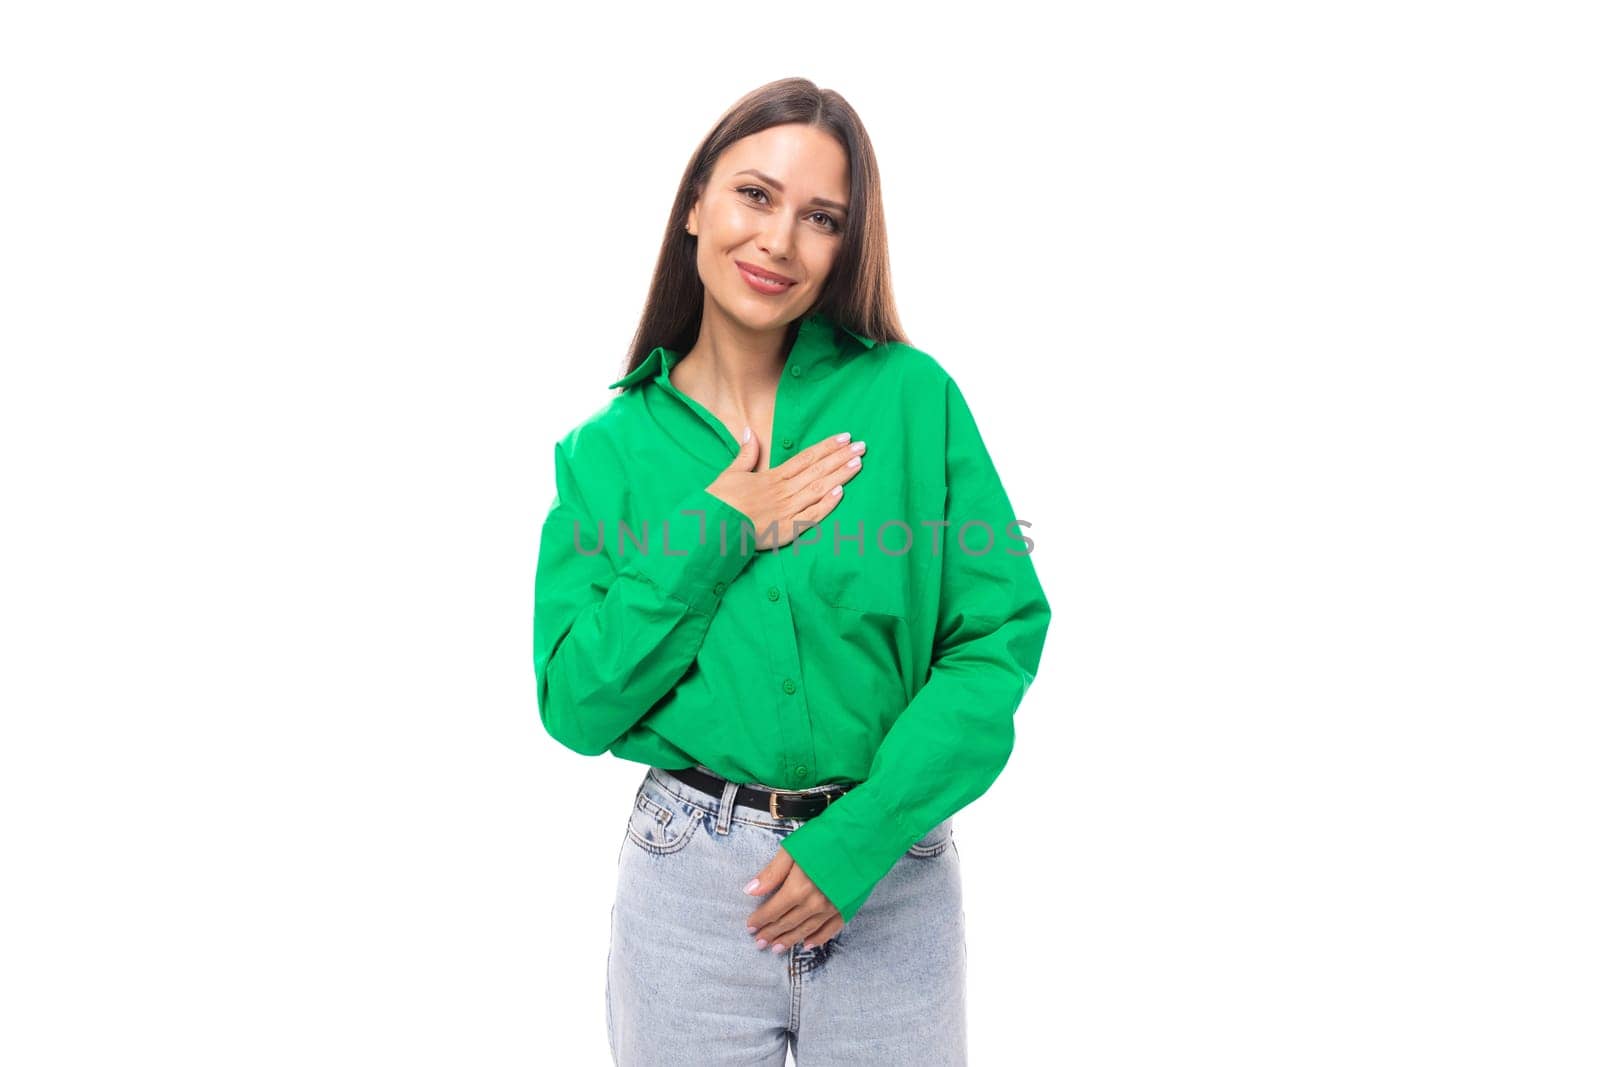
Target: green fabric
874, 649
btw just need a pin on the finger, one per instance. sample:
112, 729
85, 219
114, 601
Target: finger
802, 460
825, 488
794, 904
825, 471
749, 452
826, 933
814, 514
831, 472
772, 876
780, 904
807, 930
787, 928
786, 898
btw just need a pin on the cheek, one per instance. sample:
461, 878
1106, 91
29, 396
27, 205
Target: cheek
728, 223
820, 257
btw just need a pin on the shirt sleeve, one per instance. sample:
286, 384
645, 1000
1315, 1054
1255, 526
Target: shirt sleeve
951, 741
613, 636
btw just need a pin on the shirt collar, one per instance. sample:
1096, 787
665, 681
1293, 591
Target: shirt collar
818, 337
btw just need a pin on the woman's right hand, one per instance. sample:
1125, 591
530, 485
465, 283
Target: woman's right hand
795, 494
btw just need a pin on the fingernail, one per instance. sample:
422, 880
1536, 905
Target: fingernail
747, 433
778, 947
754, 883
749, 929
761, 942
842, 438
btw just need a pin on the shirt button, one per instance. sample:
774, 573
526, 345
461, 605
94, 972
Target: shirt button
772, 592
800, 773
788, 442
788, 685
719, 587
795, 371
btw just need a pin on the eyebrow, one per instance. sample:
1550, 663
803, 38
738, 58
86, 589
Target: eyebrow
776, 184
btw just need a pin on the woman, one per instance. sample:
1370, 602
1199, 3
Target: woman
728, 596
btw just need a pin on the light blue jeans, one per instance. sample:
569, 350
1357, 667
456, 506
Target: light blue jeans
686, 985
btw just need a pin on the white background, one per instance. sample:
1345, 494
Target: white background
1279, 320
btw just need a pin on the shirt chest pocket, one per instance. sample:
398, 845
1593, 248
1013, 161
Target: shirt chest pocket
876, 558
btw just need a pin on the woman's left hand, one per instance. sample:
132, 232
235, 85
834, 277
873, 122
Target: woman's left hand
797, 908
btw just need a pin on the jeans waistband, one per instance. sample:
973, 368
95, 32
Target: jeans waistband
710, 789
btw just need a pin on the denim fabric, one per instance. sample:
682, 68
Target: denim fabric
685, 983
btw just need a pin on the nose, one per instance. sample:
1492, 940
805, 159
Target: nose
777, 238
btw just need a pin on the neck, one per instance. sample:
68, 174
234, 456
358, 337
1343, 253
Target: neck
732, 368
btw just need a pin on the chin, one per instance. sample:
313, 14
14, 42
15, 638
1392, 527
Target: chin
756, 314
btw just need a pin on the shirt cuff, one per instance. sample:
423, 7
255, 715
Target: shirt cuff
692, 554
849, 848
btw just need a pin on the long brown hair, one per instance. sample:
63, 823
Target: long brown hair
857, 295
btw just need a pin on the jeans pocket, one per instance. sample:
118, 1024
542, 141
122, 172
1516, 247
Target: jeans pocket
659, 822
935, 841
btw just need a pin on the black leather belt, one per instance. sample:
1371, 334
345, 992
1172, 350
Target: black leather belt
778, 803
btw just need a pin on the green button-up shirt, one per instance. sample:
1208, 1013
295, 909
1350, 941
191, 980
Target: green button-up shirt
889, 646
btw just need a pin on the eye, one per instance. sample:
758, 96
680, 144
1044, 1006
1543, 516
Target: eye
833, 224
828, 220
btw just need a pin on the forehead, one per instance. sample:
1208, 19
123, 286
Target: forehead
807, 160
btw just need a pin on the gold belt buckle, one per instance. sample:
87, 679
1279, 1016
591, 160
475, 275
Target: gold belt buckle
772, 801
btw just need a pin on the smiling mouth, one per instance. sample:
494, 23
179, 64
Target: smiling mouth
761, 282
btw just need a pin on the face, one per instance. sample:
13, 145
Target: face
774, 205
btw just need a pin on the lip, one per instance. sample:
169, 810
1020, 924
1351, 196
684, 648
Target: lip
764, 281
